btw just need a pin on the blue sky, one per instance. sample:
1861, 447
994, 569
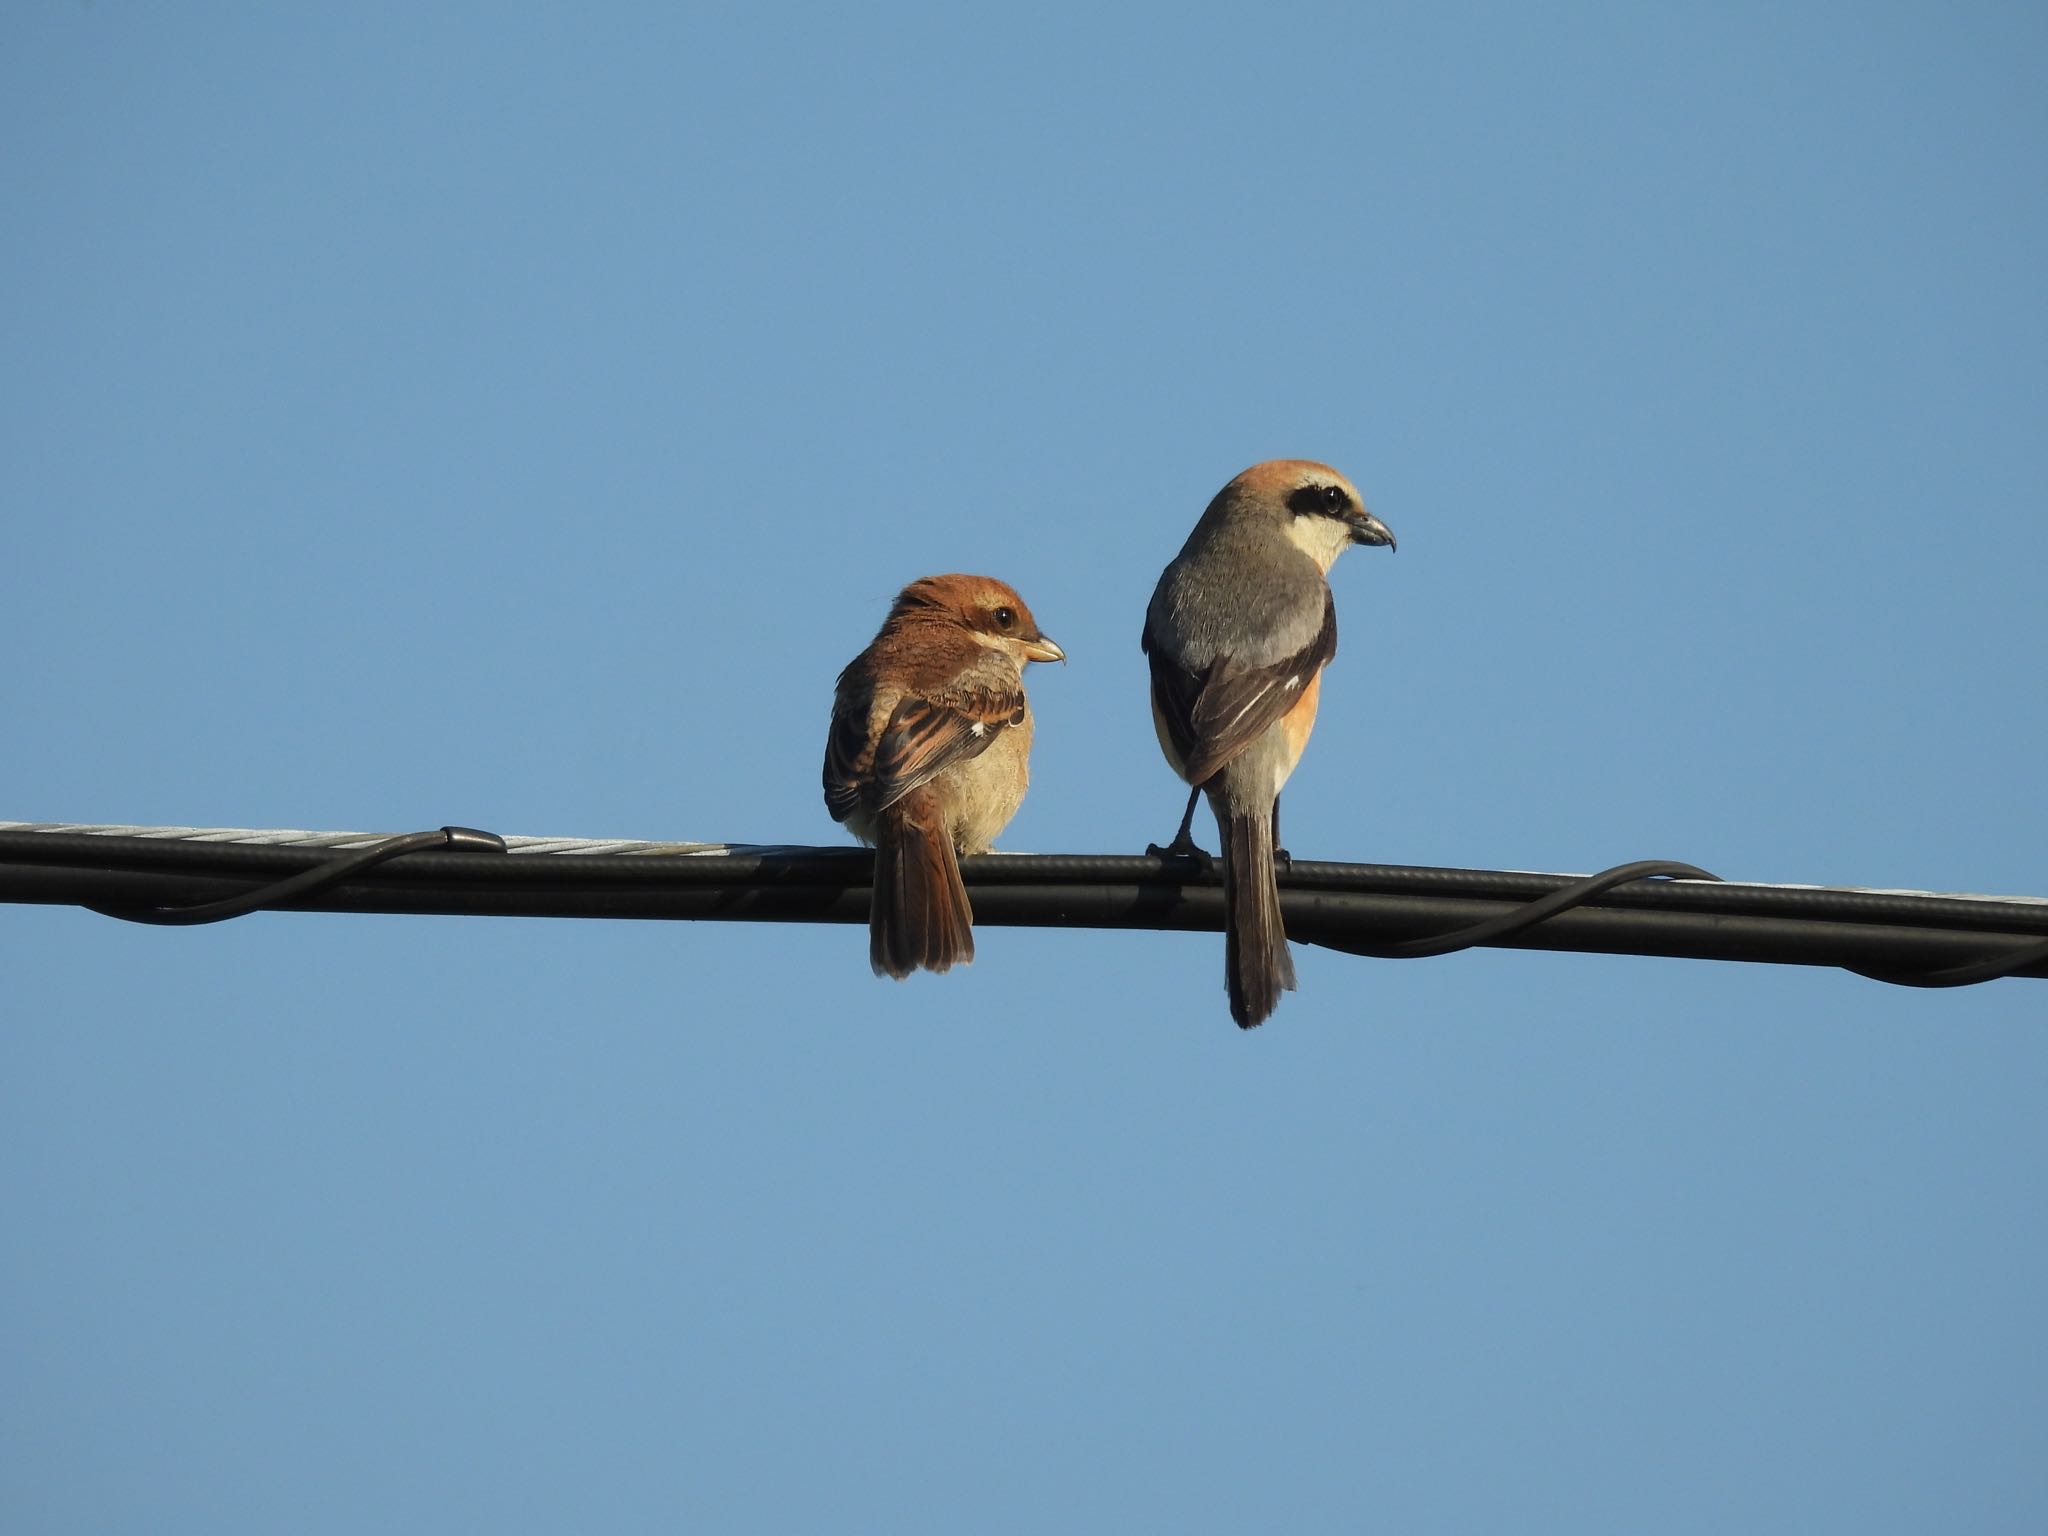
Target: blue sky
516, 415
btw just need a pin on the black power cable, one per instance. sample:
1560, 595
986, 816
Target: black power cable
2009, 964
308, 882
1390, 911
1494, 929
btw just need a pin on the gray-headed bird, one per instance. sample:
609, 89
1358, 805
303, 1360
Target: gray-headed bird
1239, 630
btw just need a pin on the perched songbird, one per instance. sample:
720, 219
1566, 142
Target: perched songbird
929, 756
1239, 630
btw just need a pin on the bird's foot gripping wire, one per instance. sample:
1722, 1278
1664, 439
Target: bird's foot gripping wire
1283, 861
1183, 844
1182, 848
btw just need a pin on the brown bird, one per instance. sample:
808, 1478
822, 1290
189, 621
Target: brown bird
929, 756
1238, 633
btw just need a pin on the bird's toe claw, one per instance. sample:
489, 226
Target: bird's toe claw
1182, 848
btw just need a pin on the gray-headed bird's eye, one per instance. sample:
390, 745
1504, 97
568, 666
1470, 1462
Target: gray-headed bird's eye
1314, 500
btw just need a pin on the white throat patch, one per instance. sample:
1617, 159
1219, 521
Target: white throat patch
1322, 539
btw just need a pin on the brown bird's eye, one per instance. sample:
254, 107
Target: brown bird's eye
1006, 618
1333, 498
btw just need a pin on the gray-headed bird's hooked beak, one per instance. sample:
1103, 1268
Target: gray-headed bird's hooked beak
1367, 529
1042, 649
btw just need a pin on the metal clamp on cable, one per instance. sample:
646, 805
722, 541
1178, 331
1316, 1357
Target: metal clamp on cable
308, 882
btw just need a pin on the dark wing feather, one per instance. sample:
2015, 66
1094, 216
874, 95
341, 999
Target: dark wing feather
924, 737
1174, 691
1214, 714
842, 758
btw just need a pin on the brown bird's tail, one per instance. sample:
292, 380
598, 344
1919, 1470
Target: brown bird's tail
1256, 964
919, 915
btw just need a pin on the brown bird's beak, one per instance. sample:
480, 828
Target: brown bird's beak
1042, 649
1367, 529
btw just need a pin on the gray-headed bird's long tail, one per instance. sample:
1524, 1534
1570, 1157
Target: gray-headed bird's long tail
1257, 966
